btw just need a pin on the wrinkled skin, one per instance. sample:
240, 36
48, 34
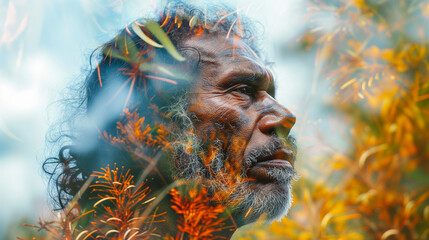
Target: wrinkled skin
233, 101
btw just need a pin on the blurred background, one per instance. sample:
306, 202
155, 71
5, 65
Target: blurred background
354, 72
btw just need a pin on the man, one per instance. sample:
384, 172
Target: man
185, 97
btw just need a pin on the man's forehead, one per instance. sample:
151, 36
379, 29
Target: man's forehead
214, 46
231, 58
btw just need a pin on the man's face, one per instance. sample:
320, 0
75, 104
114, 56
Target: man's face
246, 163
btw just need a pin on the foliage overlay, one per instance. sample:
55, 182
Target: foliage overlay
373, 55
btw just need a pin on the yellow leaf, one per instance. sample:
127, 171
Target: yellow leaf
354, 235
359, 3
325, 221
346, 217
409, 208
339, 165
347, 83
401, 66
388, 55
373, 52
426, 212
369, 152
389, 233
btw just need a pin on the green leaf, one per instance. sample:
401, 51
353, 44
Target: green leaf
143, 36
165, 69
159, 34
127, 45
114, 53
151, 67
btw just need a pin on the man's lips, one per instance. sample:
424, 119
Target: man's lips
281, 159
281, 163
282, 155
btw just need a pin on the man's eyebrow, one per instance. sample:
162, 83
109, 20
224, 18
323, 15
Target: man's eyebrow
251, 78
254, 79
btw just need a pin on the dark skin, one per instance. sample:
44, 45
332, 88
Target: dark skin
233, 100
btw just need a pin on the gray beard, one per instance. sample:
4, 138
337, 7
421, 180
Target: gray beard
248, 200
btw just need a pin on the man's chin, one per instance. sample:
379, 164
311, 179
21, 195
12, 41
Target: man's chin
271, 201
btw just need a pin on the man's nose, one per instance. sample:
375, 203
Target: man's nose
275, 116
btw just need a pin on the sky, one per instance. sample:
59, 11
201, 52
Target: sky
45, 47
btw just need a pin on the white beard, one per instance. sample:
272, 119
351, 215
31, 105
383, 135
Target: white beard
248, 200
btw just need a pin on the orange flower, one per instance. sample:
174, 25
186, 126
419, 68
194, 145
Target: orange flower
198, 218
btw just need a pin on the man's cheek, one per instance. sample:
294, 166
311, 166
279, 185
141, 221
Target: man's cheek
216, 104
216, 123
236, 157
220, 140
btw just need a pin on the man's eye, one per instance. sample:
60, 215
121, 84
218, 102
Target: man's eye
246, 90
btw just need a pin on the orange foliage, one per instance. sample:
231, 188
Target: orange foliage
378, 186
136, 137
198, 218
118, 211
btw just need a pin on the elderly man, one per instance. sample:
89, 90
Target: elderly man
185, 97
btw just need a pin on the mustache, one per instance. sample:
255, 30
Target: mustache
275, 144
